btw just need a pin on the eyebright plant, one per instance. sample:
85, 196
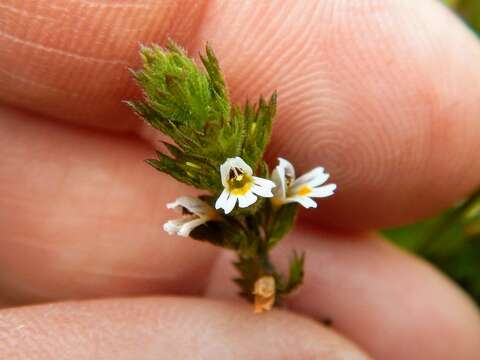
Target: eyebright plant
218, 147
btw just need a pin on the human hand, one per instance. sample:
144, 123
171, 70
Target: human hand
384, 94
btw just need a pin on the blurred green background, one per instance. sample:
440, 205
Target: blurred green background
451, 240
469, 10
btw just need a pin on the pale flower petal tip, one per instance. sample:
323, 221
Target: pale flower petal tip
301, 190
172, 205
196, 213
240, 184
169, 228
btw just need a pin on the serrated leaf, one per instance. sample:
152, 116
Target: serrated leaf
258, 128
216, 77
296, 273
182, 172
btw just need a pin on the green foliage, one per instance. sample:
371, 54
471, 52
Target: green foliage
258, 128
296, 272
179, 97
192, 106
186, 168
462, 264
281, 222
451, 3
468, 9
250, 270
226, 234
451, 241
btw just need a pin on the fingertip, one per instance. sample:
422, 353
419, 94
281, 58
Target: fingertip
384, 94
173, 328
392, 304
389, 302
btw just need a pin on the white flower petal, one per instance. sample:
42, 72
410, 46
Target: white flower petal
226, 201
192, 204
304, 201
239, 163
230, 203
172, 226
278, 177
288, 168
224, 172
314, 177
186, 228
269, 184
173, 205
263, 187
222, 199
319, 180
262, 191
236, 162
246, 200
323, 191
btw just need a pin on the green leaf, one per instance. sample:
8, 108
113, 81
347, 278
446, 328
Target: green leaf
226, 234
258, 129
250, 270
282, 222
296, 273
216, 77
186, 170
202, 170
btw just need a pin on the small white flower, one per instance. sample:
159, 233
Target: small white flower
301, 190
239, 183
195, 213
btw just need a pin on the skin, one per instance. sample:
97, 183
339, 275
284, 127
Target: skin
384, 94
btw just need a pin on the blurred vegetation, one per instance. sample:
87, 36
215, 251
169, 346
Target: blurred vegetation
468, 9
451, 240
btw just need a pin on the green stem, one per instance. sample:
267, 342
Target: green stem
266, 263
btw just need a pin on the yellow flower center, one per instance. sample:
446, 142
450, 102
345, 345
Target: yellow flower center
239, 183
304, 190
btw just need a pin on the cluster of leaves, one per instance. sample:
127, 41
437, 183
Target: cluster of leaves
451, 240
191, 106
252, 235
